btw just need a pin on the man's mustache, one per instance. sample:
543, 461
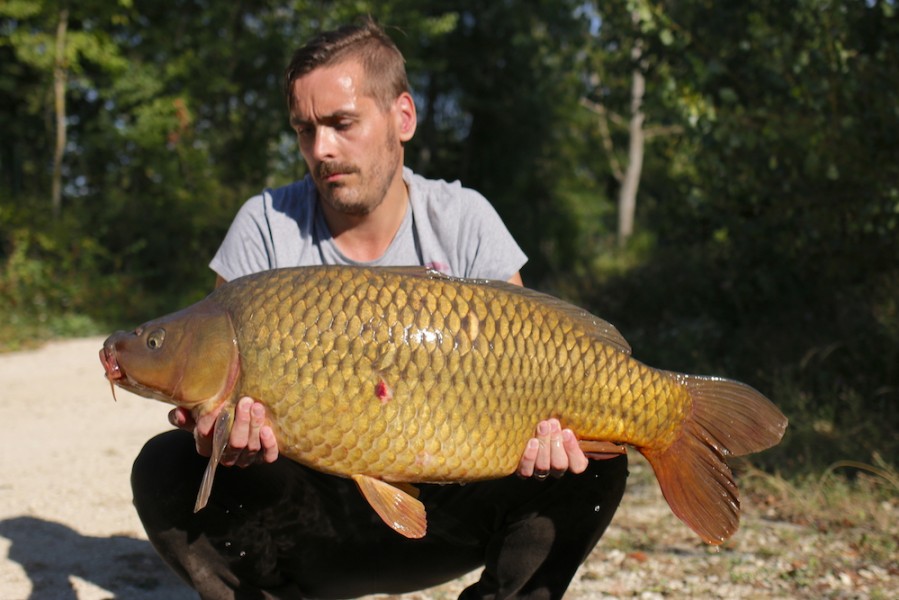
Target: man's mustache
326, 169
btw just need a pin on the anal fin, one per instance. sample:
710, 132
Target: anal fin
403, 513
599, 450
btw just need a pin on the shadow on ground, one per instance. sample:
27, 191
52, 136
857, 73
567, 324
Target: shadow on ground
52, 554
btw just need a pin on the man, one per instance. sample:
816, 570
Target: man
281, 530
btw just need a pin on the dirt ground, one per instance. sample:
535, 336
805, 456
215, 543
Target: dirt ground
68, 530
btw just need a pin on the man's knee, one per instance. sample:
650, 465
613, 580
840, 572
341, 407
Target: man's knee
609, 475
609, 479
163, 474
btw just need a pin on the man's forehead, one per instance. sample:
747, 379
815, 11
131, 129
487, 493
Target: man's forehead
332, 89
347, 76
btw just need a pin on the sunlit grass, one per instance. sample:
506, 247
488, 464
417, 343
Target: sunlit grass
25, 331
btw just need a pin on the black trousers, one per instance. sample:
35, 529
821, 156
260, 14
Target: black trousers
285, 531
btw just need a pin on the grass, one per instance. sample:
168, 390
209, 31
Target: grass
832, 535
24, 331
855, 501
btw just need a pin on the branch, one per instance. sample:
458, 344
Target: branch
605, 135
662, 130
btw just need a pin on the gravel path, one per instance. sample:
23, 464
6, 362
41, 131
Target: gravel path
68, 530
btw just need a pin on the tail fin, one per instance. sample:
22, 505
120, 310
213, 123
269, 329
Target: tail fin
728, 418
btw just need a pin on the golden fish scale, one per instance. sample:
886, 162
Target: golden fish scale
421, 378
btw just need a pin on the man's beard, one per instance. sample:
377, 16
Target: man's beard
368, 193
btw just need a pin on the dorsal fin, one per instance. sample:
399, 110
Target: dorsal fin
416, 271
595, 327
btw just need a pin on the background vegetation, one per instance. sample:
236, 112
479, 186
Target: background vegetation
766, 230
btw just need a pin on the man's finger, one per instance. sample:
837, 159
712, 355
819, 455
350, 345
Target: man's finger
257, 418
182, 419
542, 462
526, 465
577, 460
240, 430
269, 444
558, 459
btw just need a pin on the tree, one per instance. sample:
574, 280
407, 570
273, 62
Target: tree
619, 62
58, 42
498, 95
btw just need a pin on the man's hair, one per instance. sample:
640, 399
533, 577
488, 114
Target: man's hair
381, 60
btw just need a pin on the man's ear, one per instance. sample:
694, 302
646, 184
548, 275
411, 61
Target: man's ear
406, 118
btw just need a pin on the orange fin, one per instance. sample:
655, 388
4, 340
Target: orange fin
408, 488
219, 440
402, 512
728, 418
598, 450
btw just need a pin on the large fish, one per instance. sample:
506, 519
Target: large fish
398, 375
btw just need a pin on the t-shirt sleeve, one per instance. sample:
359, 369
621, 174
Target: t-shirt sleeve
487, 249
459, 231
246, 248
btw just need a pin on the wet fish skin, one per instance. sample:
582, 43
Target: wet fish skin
498, 362
406, 375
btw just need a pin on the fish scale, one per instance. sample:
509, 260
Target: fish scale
414, 319
397, 375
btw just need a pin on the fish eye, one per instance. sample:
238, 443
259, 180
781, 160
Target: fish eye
155, 339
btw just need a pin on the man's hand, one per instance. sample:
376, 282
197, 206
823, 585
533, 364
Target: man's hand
251, 440
553, 452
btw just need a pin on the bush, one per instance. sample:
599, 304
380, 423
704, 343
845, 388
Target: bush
51, 282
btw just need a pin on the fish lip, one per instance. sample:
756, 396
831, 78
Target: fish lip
118, 377
110, 364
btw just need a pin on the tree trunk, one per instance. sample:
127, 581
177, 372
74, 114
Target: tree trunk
60, 76
627, 194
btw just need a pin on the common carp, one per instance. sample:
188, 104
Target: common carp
393, 376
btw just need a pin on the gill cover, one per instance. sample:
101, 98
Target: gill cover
188, 358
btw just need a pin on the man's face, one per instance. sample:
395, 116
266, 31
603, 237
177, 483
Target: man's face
352, 146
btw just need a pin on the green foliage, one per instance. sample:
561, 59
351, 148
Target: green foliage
767, 230
48, 282
775, 226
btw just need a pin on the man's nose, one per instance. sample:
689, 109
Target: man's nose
324, 144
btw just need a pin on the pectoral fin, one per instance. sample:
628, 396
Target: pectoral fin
397, 508
219, 440
599, 450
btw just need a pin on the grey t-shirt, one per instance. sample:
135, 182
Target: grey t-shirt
449, 228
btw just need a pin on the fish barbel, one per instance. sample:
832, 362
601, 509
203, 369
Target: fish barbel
393, 376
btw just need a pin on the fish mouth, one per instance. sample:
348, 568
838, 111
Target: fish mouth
110, 364
114, 373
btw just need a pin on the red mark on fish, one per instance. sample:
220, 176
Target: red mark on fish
383, 391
